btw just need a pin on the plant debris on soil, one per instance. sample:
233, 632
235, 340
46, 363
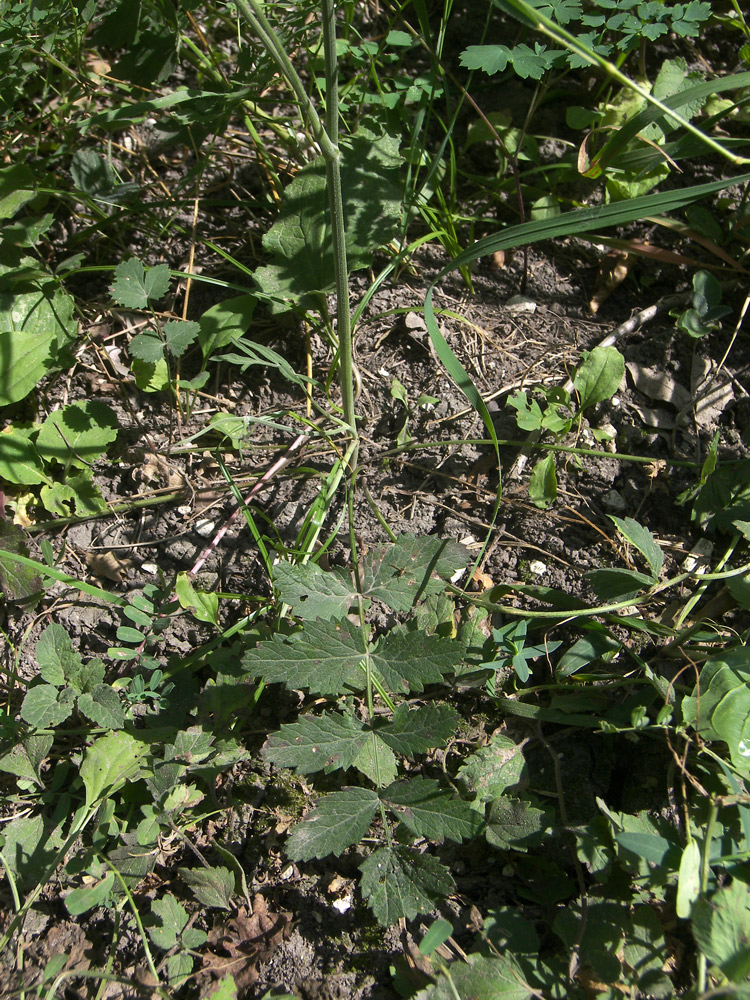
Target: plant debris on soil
157, 864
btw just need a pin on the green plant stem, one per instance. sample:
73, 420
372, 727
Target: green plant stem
528, 15
327, 139
252, 11
338, 224
376, 511
115, 508
571, 614
705, 869
141, 929
701, 589
541, 446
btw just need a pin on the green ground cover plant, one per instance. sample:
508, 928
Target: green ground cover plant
357, 672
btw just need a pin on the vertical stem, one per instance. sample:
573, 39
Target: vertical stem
338, 222
327, 138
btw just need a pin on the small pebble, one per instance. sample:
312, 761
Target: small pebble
614, 502
520, 304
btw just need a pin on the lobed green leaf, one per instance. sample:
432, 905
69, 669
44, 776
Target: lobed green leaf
427, 810
316, 743
398, 882
339, 820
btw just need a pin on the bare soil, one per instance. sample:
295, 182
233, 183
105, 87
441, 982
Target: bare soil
677, 393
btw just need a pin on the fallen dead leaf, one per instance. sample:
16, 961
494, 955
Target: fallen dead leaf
157, 467
613, 270
654, 469
238, 946
483, 581
711, 399
658, 386
108, 565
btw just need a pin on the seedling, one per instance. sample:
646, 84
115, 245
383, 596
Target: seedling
706, 312
597, 379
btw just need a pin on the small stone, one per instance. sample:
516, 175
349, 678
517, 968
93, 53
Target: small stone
614, 502
537, 567
520, 304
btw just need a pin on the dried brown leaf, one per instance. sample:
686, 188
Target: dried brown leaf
613, 270
239, 945
108, 565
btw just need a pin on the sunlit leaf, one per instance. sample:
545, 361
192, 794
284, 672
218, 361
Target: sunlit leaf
338, 821
134, 286
400, 882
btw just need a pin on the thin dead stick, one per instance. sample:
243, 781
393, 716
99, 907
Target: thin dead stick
278, 465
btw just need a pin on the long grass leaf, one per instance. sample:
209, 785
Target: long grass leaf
697, 93
585, 220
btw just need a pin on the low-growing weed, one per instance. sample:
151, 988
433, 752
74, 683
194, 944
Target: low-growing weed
585, 761
596, 380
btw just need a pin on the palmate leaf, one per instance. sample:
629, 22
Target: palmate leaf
134, 286
493, 769
323, 657
332, 741
412, 732
377, 762
329, 658
400, 882
410, 569
312, 592
427, 810
30, 847
179, 335
514, 824
339, 820
407, 661
148, 347
172, 917
317, 743
399, 574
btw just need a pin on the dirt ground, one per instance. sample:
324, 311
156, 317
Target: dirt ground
676, 394
320, 951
